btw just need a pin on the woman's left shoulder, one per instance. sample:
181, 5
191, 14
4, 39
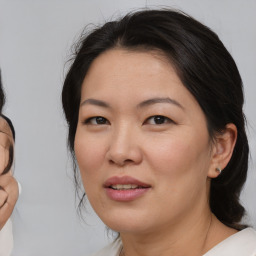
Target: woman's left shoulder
241, 243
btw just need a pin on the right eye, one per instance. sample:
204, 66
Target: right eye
97, 120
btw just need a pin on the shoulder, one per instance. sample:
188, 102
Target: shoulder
241, 243
112, 249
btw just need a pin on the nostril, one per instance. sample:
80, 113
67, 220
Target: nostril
111, 161
120, 162
125, 155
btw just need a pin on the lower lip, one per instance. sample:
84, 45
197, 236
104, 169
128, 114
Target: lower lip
125, 195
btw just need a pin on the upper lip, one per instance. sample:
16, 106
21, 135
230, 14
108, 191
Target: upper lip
123, 180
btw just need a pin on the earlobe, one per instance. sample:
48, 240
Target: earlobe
222, 150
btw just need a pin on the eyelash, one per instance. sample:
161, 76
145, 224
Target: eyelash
99, 120
157, 118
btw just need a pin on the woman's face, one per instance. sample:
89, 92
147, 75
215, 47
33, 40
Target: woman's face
141, 143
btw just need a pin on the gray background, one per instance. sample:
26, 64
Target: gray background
35, 38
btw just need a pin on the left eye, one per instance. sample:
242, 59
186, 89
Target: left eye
158, 120
97, 120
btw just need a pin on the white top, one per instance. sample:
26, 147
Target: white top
242, 243
6, 236
6, 239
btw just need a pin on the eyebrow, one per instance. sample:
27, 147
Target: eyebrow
95, 102
160, 100
143, 104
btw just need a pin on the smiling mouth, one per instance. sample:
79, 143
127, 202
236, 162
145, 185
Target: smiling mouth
125, 183
126, 187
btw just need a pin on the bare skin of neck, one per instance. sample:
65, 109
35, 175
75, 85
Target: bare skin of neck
187, 239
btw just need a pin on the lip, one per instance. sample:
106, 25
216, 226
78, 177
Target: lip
124, 180
128, 194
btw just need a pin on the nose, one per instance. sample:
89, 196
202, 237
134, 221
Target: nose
124, 147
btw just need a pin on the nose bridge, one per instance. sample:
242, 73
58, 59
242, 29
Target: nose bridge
124, 145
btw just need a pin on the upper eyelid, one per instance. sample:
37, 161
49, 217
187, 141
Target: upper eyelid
87, 120
167, 118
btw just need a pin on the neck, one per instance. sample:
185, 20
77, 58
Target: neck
189, 237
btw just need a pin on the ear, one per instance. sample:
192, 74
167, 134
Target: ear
222, 150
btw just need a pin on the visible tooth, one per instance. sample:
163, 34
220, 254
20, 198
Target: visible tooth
124, 186
128, 186
119, 186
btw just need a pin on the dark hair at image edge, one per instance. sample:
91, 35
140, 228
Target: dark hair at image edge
2, 96
9, 122
205, 68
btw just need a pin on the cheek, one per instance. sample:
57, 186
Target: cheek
89, 155
179, 160
180, 175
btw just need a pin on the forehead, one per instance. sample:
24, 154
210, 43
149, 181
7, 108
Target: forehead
125, 69
131, 57
124, 79
125, 76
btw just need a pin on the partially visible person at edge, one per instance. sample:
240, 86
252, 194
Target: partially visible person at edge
8, 184
154, 103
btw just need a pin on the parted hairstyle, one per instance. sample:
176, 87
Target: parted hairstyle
205, 68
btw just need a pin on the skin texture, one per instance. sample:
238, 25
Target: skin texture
172, 153
8, 185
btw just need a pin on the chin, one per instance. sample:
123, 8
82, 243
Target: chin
126, 222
